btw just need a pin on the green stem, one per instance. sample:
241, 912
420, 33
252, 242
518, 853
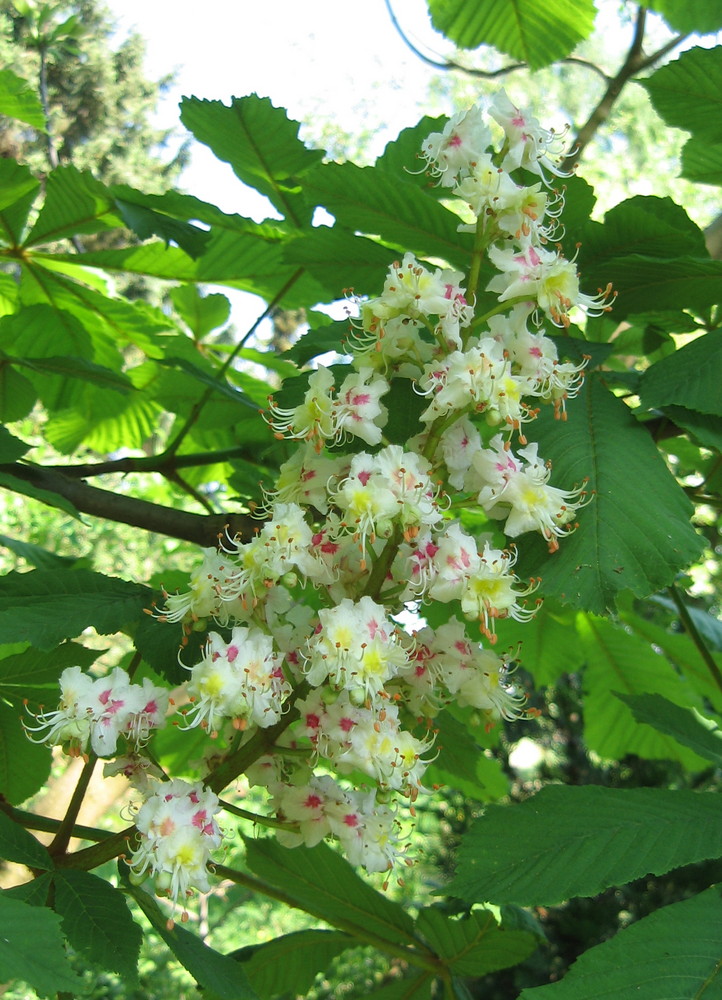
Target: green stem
92, 857
422, 959
268, 821
692, 631
59, 844
193, 416
45, 824
477, 255
382, 565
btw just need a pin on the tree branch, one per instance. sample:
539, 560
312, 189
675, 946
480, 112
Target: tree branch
163, 463
201, 529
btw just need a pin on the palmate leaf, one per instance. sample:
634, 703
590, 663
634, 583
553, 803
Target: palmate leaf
644, 224
538, 34
685, 93
673, 954
341, 261
620, 662
153, 215
46, 607
386, 205
290, 963
476, 945
325, 885
47, 969
75, 203
689, 377
548, 644
610, 835
11, 448
200, 313
260, 143
687, 726
617, 545
97, 922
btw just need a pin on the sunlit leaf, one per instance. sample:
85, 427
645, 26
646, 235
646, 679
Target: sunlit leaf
46, 969
18, 99
686, 95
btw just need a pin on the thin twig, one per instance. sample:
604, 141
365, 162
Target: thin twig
693, 632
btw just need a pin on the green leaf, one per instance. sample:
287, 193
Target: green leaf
97, 922
18, 189
261, 144
17, 394
702, 161
17, 845
46, 969
475, 945
36, 555
212, 971
618, 545
317, 342
672, 954
35, 892
386, 205
78, 368
325, 885
409, 988
145, 222
11, 448
703, 428
340, 260
75, 203
290, 963
34, 672
686, 725
45, 607
610, 836
618, 661
685, 93
689, 377
646, 225
549, 644
201, 313
210, 379
538, 34
461, 762
698, 18
48, 497
24, 766
19, 100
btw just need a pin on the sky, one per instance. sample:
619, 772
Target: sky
315, 58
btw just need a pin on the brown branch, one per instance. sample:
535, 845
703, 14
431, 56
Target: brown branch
202, 529
163, 463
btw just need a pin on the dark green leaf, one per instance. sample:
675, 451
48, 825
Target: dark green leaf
461, 762
210, 379
11, 448
385, 205
18, 845
341, 261
78, 368
538, 34
35, 892
19, 100
32, 673
261, 144
17, 394
686, 725
24, 766
644, 224
145, 222
290, 963
326, 886
475, 945
673, 954
685, 93
46, 969
46, 607
702, 161
18, 189
219, 974
316, 342
617, 546
610, 835
97, 922
690, 377
702, 427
